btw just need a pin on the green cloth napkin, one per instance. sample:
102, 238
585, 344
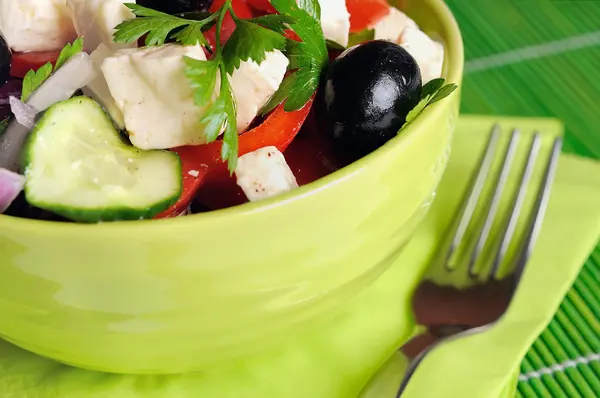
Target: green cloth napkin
339, 359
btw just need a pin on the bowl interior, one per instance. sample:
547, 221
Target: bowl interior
433, 16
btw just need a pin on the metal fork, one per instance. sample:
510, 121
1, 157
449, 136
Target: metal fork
479, 238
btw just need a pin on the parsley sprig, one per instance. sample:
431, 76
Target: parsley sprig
35, 78
308, 57
251, 40
161, 27
432, 92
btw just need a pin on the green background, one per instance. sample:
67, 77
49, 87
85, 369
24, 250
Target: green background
542, 58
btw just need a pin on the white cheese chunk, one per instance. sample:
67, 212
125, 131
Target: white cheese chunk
96, 20
264, 173
335, 20
253, 84
392, 25
150, 88
36, 25
428, 53
98, 90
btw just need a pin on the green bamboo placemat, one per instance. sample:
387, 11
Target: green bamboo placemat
542, 58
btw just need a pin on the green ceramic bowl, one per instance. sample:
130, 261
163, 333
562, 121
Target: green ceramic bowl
183, 294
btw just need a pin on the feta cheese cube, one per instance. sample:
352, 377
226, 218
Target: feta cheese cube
253, 85
36, 25
98, 90
335, 20
264, 173
428, 53
150, 88
96, 20
392, 25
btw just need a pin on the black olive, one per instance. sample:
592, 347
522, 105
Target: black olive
176, 6
5, 60
366, 95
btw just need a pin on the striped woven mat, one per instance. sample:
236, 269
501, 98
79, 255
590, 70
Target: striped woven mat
542, 58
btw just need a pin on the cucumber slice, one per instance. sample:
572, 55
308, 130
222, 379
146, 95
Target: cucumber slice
78, 166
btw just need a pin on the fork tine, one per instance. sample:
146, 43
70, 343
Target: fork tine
473, 197
516, 205
539, 210
495, 203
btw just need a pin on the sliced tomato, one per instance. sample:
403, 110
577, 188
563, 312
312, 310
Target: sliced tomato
241, 10
366, 13
24, 62
262, 5
218, 189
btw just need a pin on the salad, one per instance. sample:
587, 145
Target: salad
112, 110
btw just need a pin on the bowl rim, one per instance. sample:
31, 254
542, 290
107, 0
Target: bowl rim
454, 64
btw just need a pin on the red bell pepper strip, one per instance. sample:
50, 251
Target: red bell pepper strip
262, 5
192, 180
366, 13
278, 129
290, 34
240, 9
215, 187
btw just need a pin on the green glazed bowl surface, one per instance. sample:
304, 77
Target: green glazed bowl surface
184, 294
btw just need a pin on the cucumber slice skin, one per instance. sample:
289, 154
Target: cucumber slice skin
95, 216
100, 213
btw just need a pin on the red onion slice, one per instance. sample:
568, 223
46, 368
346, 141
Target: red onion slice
76, 73
11, 184
61, 85
24, 113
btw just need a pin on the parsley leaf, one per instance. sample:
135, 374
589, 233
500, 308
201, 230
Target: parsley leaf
203, 79
309, 57
443, 93
312, 8
431, 93
34, 79
191, 35
275, 22
304, 87
281, 94
159, 27
214, 119
229, 150
432, 87
250, 41
69, 51
412, 115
